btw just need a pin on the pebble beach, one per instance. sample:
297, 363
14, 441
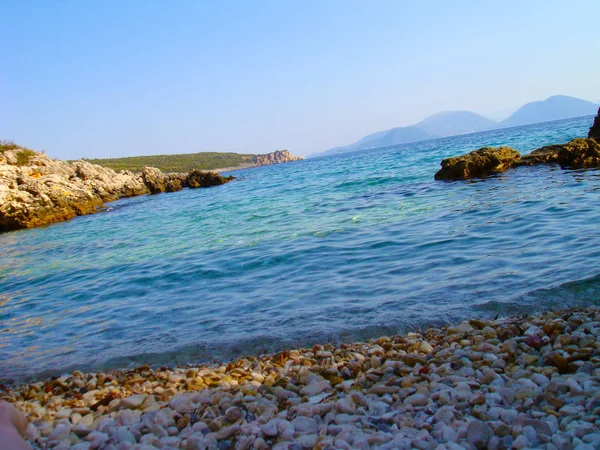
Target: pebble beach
516, 382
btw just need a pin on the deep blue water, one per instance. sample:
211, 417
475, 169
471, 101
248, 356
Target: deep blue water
336, 248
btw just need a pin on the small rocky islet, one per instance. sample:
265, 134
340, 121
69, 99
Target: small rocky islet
580, 153
509, 383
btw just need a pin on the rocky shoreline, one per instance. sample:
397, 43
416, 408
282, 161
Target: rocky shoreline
517, 382
37, 190
580, 153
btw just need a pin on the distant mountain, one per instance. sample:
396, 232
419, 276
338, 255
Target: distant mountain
400, 135
553, 108
448, 123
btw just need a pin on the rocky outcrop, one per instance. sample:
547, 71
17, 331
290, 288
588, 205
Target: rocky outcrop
158, 182
478, 163
277, 157
580, 153
594, 132
577, 154
197, 179
37, 190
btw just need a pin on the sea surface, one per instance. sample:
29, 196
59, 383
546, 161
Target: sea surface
329, 249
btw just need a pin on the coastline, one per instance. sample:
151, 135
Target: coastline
512, 382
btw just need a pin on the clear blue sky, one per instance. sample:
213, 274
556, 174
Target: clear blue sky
118, 78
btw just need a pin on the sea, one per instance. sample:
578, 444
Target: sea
330, 249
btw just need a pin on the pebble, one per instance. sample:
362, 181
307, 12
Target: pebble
515, 382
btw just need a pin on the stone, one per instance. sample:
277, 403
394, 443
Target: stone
416, 400
425, 347
478, 434
123, 435
520, 442
304, 425
316, 388
477, 164
233, 414
59, 433
133, 401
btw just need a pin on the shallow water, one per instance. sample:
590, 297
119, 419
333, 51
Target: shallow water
336, 248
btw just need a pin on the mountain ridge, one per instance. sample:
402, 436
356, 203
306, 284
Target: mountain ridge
450, 123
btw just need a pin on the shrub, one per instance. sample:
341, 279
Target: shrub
7, 145
24, 156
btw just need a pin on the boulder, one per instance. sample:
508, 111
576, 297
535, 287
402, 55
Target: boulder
579, 154
594, 132
158, 182
197, 179
478, 163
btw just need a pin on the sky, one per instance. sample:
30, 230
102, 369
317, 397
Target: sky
111, 78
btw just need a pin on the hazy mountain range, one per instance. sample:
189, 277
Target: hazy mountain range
450, 123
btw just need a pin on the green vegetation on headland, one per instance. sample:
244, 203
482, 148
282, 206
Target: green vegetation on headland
23, 156
176, 163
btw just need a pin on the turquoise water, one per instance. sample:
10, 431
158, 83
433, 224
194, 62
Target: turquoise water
336, 248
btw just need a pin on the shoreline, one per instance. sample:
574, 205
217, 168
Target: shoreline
519, 381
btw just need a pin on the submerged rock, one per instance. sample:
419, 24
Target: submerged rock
594, 132
478, 163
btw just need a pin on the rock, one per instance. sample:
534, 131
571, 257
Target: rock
425, 347
305, 425
37, 190
594, 132
316, 388
478, 434
544, 155
59, 433
233, 414
133, 401
277, 157
577, 154
478, 163
520, 442
158, 182
416, 400
196, 179
580, 154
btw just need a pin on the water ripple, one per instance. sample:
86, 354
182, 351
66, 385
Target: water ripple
329, 249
